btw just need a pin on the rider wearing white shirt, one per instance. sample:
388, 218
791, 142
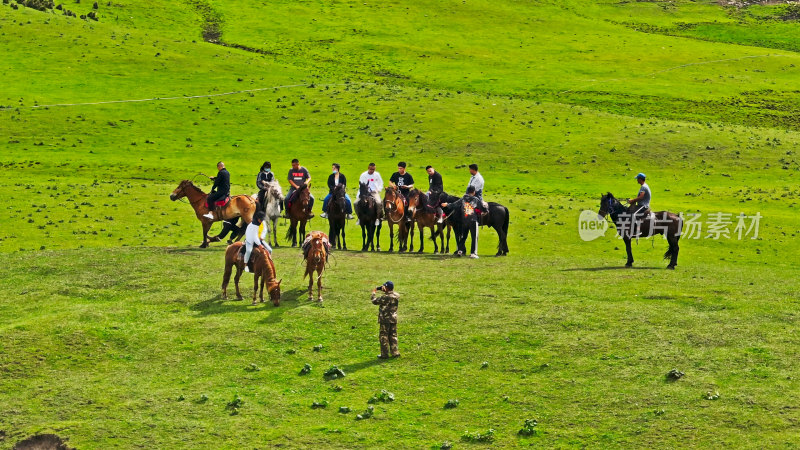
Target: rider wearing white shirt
374, 183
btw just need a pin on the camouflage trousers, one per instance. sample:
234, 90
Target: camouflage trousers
388, 338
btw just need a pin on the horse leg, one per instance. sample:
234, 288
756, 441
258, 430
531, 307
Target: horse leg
303, 230
310, 285
363, 238
275, 231
344, 242
630, 254
255, 285
378, 236
410, 238
421, 239
226, 278
206, 227
447, 240
261, 288
673, 251
239, 271
319, 286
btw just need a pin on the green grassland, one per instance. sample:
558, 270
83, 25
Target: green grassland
112, 330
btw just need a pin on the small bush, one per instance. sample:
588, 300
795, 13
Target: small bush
306, 369
452, 403
529, 428
384, 396
334, 373
488, 436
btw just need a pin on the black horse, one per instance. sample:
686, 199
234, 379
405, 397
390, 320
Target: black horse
367, 210
497, 217
464, 220
662, 222
337, 217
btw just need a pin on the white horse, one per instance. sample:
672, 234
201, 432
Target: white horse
274, 199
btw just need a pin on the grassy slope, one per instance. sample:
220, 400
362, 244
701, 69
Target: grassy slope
156, 330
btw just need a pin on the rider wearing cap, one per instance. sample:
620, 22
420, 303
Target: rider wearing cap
641, 204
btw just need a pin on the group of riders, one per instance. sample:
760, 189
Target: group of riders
299, 176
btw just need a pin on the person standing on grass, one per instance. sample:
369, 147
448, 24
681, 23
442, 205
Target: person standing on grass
387, 319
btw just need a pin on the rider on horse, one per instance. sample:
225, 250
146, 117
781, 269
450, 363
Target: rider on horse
403, 182
298, 176
640, 206
220, 191
334, 179
264, 178
254, 237
374, 183
476, 181
435, 189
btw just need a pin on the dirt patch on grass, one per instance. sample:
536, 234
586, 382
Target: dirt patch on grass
42, 442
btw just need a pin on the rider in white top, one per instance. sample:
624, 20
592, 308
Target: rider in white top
254, 236
374, 183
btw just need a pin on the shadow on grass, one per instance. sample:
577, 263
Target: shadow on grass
350, 368
215, 305
597, 269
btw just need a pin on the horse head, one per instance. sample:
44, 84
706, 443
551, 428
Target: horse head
389, 200
274, 289
608, 205
180, 191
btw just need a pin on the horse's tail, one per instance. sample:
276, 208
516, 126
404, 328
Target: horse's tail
504, 239
288, 233
668, 254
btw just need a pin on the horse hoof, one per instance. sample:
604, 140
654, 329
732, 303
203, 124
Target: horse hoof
254, 303
203, 245
310, 298
230, 241
319, 299
671, 267
213, 239
239, 297
419, 251
629, 265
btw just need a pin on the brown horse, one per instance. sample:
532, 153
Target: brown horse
662, 222
424, 219
394, 210
298, 213
239, 206
263, 271
315, 254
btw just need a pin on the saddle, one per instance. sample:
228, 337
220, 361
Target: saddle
219, 203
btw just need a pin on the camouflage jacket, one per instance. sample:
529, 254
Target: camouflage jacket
388, 306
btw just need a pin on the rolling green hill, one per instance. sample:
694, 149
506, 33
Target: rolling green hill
113, 333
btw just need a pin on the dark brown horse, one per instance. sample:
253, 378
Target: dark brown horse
394, 211
263, 271
298, 213
315, 254
662, 222
240, 206
424, 219
368, 211
337, 217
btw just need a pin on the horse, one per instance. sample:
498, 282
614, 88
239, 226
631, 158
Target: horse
662, 222
425, 219
497, 217
298, 213
315, 254
272, 207
464, 220
239, 206
394, 211
337, 217
263, 271
368, 212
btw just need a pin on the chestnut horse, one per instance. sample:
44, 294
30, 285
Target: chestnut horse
263, 271
394, 210
298, 213
315, 254
239, 206
425, 219
661, 222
